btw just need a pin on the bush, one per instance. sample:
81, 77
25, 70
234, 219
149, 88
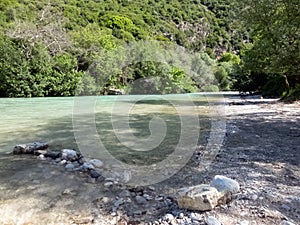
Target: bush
275, 87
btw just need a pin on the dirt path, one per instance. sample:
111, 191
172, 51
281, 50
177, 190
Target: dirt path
261, 151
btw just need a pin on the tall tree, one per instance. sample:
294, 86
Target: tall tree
276, 37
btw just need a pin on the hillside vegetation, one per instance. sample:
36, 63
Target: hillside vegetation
49, 47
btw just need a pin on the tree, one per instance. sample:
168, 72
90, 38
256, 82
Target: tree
275, 30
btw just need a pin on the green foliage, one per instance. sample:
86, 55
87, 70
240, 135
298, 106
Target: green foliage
274, 87
292, 95
225, 70
65, 77
37, 74
92, 37
275, 51
52, 48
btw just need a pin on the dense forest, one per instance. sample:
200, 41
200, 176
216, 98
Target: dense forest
49, 47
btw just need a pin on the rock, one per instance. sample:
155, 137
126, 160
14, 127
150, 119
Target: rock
126, 176
151, 188
67, 191
119, 202
222, 183
40, 152
58, 160
168, 218
108, 184
286, 207
122, 221
147, 197
244, 222
87, 166
52, 155
211, 220
95, 174
113, 91
105, 200
91, 180
69, 154
63, 162
196, 217
254, 197
201, 197
29, 148
125, 193
41, 157
70, 166
285, 222
96, 163
140, 200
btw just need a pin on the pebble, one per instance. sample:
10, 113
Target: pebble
108, 184
244, 222
254, 197
140, 200
57, 160
105, 200
147, 197
119, 202
95, 174
181, 216
287, 223
151, 188
125, 193
63, 162
211, 220
196, 217
286, 207
91, 180
67, 191
169, 218
41, 157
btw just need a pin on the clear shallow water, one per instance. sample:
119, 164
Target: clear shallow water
24, 120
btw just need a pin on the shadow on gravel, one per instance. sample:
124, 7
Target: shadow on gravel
262, 151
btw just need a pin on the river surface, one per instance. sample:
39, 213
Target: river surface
24, 120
